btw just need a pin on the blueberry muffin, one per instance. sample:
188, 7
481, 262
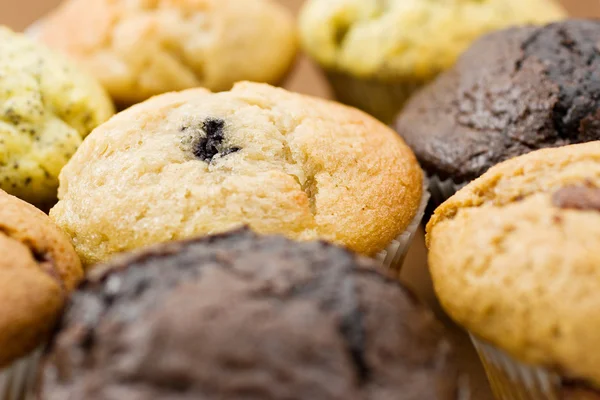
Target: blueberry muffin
514, 259
38, 268
138, 49
196, 162
47, 107
377, 53
514, 91
242, 316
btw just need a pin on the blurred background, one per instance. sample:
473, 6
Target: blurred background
18, 14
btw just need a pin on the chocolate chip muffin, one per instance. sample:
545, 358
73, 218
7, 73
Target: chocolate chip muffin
38, 267
196, 162
514, 259
512, 92
242, 316
47, 106
138, 49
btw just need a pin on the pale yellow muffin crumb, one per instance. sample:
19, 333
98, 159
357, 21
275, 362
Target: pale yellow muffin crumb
141, 48
193, 163
514, 258
47, 106
391, 39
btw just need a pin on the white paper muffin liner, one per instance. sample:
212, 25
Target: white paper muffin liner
511, 379
394, 254
17, 381
442, 189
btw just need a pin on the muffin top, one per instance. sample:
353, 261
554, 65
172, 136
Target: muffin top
419, 38
243, 316
47, 106
141, 48
514, 91
38, 267
514, 258
191, 163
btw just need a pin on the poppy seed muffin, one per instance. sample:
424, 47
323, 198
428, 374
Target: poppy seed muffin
512, 92
196, 162
138, 49
47, 107
38, 268
514, 259
242, 316
377, 53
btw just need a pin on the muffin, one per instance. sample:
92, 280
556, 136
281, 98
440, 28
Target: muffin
138, 49
377, 53
243, 316
47, 106
196, 162
514, 91
514, 259
38, 267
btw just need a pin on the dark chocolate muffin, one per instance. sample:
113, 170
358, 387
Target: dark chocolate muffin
241, 316
512, 92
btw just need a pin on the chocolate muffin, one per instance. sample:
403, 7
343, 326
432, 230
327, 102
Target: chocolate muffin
241, 316
512, 92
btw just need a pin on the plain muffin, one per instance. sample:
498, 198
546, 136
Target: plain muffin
512, 92
38, 268
47, 107
514, 259
142, 48
196, 162
243, 316
377, 53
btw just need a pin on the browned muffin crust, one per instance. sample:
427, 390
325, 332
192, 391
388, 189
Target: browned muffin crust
38, 266
241, 316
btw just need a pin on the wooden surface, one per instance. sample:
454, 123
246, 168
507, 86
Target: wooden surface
307, 79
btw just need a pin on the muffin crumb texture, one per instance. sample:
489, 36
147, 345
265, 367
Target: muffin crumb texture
392, 39
242, 316
38, 267
138, 49
512, 92
47, 107
194, 163
514, 258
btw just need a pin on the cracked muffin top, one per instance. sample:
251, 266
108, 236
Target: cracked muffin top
196, 162
38, 267
141, 48
514, 258
388, 39
514, 91
47, 107
242, 316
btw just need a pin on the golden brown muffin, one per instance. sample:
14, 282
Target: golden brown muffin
142, 48
193, 163
38, 267
514, 258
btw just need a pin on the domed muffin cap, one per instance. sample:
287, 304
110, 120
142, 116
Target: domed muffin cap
47, 106
138, 49
38, 267
398, 38
193, 163
514, 258
512, 92
238, 316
